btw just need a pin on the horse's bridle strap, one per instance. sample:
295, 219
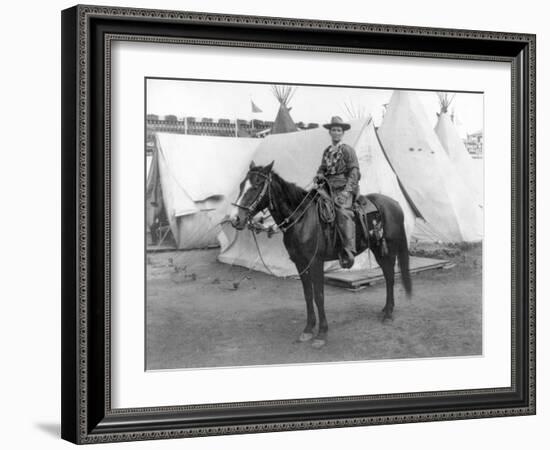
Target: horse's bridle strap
260, 196
289, 221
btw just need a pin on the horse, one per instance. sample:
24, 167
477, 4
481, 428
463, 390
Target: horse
309, 242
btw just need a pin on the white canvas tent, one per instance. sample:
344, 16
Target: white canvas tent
443, 198
148, 161
297, 157
195, 178
456, 150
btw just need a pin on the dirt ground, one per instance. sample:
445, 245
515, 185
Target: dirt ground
202, 313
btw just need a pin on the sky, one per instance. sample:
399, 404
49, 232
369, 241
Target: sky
316, 104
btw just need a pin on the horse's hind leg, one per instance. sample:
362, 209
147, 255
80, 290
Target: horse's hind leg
318, 278
307, 285
387, 264
388, 268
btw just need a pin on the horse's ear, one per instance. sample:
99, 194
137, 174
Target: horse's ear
252, 165
268, 168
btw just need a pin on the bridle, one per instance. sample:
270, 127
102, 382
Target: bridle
291, 219
266, 188
286, 224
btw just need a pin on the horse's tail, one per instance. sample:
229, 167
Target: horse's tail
403, 258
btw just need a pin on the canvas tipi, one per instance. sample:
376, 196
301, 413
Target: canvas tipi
194, 179
297, 157
283, 122
456, 150
355, 110
443, 198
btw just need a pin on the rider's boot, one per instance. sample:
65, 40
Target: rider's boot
347, 232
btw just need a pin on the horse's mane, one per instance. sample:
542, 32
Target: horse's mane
285, 189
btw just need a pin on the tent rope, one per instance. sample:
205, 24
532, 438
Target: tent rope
286, 277
432, 233
162, 240
285, 225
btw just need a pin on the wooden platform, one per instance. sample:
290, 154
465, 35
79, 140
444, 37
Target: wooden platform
168, 247
358, 279
161, 248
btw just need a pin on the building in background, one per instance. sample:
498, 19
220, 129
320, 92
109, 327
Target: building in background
207, 126
474, 144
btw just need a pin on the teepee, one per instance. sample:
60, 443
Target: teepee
283, 122
355, 110
297, 157
456, 150
443, 197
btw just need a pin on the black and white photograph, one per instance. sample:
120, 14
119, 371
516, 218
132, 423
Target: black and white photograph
300, 223
276, 220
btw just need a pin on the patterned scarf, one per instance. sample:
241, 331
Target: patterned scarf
332, 157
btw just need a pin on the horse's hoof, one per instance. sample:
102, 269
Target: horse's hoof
387, 316
305, 337
318, 343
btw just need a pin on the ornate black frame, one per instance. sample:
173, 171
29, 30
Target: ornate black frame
87, 416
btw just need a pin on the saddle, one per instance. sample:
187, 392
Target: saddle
367, 214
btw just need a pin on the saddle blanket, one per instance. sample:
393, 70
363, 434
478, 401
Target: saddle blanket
364, 205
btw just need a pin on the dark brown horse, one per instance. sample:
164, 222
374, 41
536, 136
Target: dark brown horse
310, 242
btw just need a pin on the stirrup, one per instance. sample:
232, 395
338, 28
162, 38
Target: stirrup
346, 259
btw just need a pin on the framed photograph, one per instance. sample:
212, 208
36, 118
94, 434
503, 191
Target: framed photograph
281, 224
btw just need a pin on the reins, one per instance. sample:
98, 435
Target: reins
299, 273
287, 222
284, 225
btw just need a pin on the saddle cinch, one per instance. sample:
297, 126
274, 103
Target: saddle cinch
367, 214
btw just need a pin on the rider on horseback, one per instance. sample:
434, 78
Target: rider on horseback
340, 169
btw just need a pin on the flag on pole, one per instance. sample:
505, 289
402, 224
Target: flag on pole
255, 108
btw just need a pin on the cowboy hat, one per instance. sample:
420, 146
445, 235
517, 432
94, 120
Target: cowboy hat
337, 121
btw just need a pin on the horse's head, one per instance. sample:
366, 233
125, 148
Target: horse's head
253, 195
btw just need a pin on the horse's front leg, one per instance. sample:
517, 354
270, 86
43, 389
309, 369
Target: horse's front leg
305, 277
318, 279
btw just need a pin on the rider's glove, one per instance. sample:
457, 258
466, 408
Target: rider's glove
342, 198
318, 179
